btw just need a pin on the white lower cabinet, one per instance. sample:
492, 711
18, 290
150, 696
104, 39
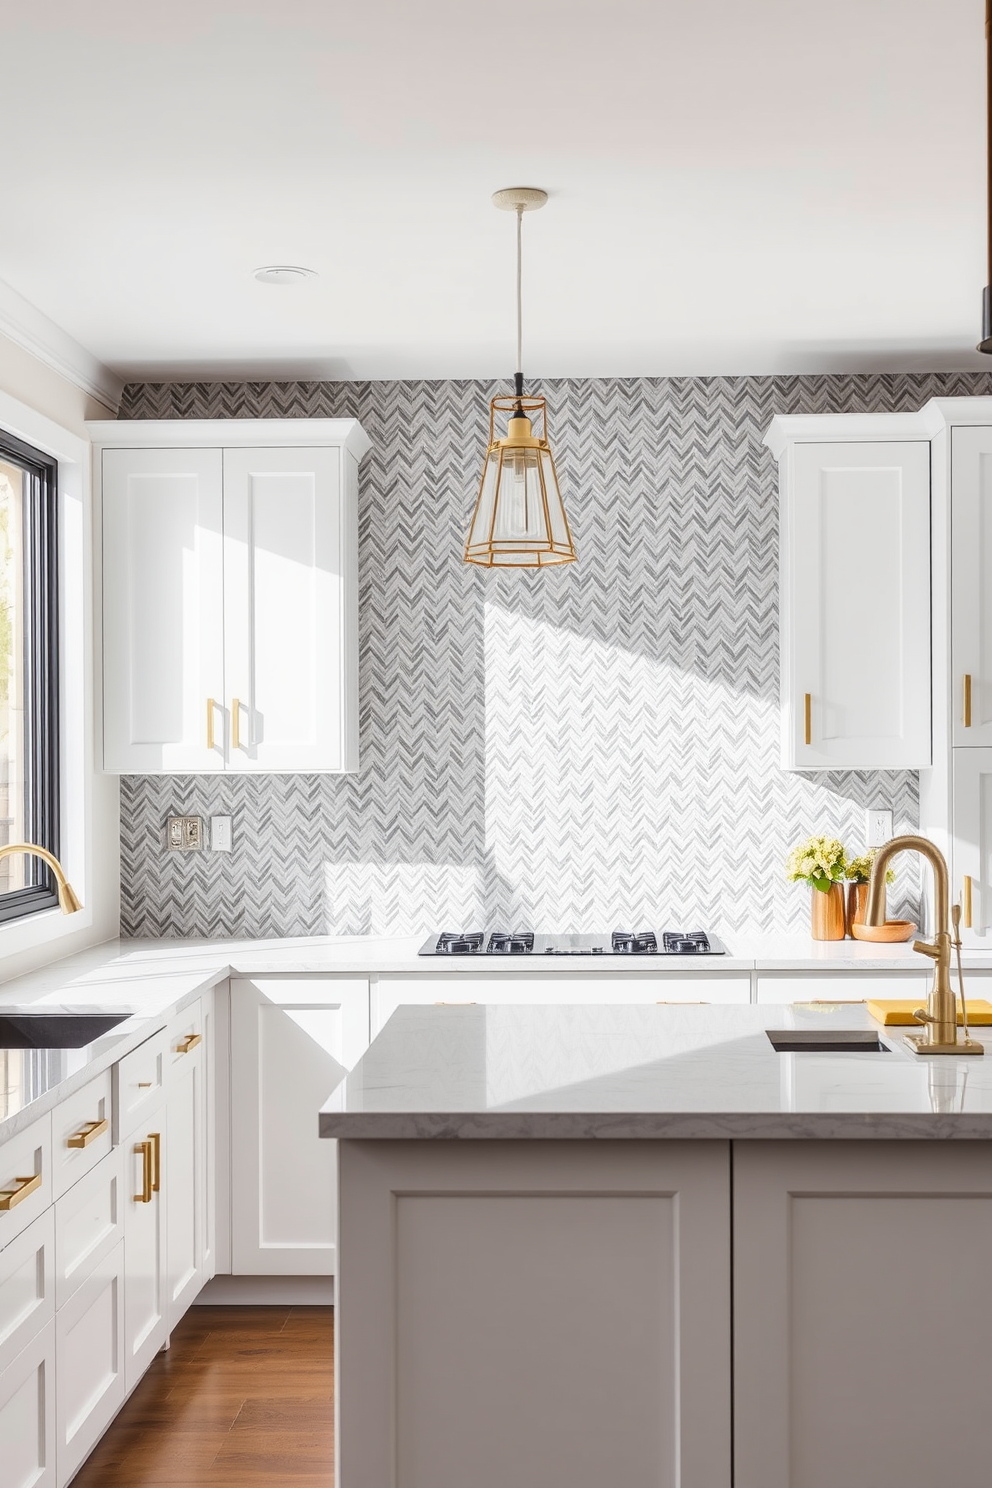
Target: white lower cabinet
184, 1159
861, 1323
89, 1352
971, 847
146, 1322
292, 1040
27, 1415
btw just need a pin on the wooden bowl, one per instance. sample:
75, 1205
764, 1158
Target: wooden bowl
887, 934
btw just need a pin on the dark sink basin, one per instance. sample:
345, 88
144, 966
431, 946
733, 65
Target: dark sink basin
826, 1041
55, 1030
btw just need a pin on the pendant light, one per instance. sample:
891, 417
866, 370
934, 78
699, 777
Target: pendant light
519, 519
986, 342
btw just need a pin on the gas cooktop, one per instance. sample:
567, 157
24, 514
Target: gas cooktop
527, 943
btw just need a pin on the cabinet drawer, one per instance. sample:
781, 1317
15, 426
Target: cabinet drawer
649, 987
81, 1132
140, 1077
185, 1035
89, 1222
27, 1286
850, 988
25, 1178
89, 1339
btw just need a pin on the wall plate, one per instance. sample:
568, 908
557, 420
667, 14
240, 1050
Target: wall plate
184, 833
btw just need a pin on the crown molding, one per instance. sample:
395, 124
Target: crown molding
179, 433
32, 330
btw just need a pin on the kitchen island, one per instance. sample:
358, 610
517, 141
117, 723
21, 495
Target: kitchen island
619, 1244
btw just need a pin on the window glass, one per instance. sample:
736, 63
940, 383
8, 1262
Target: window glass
29, 735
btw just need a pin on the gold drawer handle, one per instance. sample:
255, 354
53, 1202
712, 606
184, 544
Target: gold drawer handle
144, 1151
967, 700
235, 723
155, 1138
211, 705
11, 1197
88, 1133
808, 717
145, 1084
967, 901
189, 1042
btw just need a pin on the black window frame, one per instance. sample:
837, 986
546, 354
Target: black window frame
43, 759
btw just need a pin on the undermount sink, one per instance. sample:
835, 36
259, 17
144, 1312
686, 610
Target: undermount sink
826, 1041
55, 1030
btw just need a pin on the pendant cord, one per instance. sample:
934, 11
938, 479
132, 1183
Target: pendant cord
519, 380
988, 94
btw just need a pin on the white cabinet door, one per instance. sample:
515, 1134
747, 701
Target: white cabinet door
855, 606
971, 851
291, 1043
163, 590
289, 599
971, 578
27, 1415
145, 1276
89, 1343
185, 1157
27, 1286
833, 1316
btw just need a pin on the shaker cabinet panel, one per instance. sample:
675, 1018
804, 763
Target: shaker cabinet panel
163, 594
27, 1415
832, 1316
185, 1159
971, 850
89, 1344
288, 608
291, 1043
146, 1324
971, 568
855, 605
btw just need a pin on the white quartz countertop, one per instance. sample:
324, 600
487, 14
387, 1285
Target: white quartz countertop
621, 1071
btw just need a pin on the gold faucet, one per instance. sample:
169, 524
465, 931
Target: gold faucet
68, 901
940, 1016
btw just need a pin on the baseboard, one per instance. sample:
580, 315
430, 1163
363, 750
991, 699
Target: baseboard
267, 1291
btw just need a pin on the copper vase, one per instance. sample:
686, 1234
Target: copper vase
857, 903
827, 917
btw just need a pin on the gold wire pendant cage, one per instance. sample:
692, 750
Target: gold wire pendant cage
519, 519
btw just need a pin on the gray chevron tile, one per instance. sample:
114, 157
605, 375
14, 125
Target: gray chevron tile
581, 748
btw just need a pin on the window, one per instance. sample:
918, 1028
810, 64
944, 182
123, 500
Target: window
29, 684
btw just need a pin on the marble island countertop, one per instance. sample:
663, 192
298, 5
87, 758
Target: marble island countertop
477, 1072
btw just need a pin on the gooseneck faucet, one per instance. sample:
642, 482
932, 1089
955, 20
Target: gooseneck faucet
68, 901
940, 1017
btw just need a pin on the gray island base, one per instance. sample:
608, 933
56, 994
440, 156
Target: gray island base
587, 1246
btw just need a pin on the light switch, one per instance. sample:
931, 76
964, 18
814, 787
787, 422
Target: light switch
220, 834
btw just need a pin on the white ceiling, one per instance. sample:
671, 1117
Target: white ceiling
736, 185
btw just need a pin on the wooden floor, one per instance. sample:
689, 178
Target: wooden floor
244, 1397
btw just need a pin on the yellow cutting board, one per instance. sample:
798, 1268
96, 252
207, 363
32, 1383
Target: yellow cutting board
899, 1010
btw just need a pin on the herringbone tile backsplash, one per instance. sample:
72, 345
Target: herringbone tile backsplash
591, 746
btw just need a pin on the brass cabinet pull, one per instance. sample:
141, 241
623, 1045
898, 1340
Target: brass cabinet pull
189, 1042
967, 700
145, 1084
808, 717
88, 1133
235, 723
11, 1197
155, 1139
211, 705
967, 901
144, 1151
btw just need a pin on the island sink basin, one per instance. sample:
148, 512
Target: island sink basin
55, 1030
826, 1041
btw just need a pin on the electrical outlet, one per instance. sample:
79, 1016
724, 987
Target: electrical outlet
184, 833
220, 834
878, 826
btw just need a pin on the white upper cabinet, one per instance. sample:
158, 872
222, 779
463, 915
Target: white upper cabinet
971, 573
163, 609
230, 584
855, 597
